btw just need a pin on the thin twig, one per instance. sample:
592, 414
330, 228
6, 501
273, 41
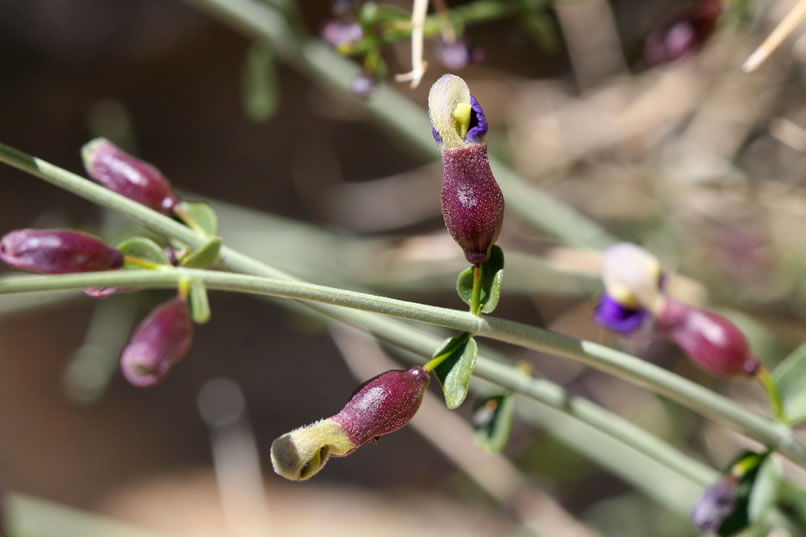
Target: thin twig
445, 24
781, 32
418, 65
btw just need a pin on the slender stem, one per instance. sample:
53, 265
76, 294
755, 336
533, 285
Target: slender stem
140, 262
620, 364
475, 298
183, 289
772, 392
444, 355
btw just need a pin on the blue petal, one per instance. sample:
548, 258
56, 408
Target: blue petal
478, 123
617, 318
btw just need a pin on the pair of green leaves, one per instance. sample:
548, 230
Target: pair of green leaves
460, 352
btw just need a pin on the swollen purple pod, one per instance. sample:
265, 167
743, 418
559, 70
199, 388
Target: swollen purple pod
128, 176
472, 202
55, 251
380, 406
159, 341
710, 340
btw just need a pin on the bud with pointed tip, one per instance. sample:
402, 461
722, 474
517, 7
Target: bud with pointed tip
380, 406
710, 340
158, 343
55, 251
128, 176
472, 201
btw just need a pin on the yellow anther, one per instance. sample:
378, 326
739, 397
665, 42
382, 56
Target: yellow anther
462, 116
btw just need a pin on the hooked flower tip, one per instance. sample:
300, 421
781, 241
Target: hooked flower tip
300, 454
456, 116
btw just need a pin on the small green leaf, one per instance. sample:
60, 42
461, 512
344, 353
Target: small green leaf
143, 248
739, 518
199, 305
492, 421
790, 377
204, 256
199, 216
259, 83
454, 373
492, 275
765, 489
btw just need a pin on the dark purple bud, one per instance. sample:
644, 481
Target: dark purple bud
684, 35
710, 340
122, 173
379, 406
341, 8
715, 504
342, 34
383, 404
458, 55
618, 318
363, 86
472, 202
158, 342
53, 251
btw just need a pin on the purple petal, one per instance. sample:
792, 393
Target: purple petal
478, 123
436, 135
616, 317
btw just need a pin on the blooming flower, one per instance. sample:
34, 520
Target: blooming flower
472, 201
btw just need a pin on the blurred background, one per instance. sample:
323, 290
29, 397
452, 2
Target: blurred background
660, 138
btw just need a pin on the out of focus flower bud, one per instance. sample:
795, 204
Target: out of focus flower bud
158, 343
379, 406
458, 55
342, 34
716, 503
53, 251
632, 280
472, 201
122, 173
685, 34
710, 340
363, 86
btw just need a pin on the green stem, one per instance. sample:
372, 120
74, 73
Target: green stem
475, 297
190, 221
444, 355
632, 369
140, 262
772, 392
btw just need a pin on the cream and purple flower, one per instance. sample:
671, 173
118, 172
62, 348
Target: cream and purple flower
633, 282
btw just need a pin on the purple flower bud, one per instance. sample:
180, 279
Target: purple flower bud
472, 202
383, 404
715, 504
158, 342
363, 86
122, 173
684, 35
710, 340
380, 406
342, 34
53, 251
620, 319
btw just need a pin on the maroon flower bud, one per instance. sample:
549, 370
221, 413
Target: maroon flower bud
53, 251
158, 342
472, 202
710, 340
683, 35
122, 173
379, 406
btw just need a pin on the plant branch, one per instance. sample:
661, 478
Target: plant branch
632, 369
